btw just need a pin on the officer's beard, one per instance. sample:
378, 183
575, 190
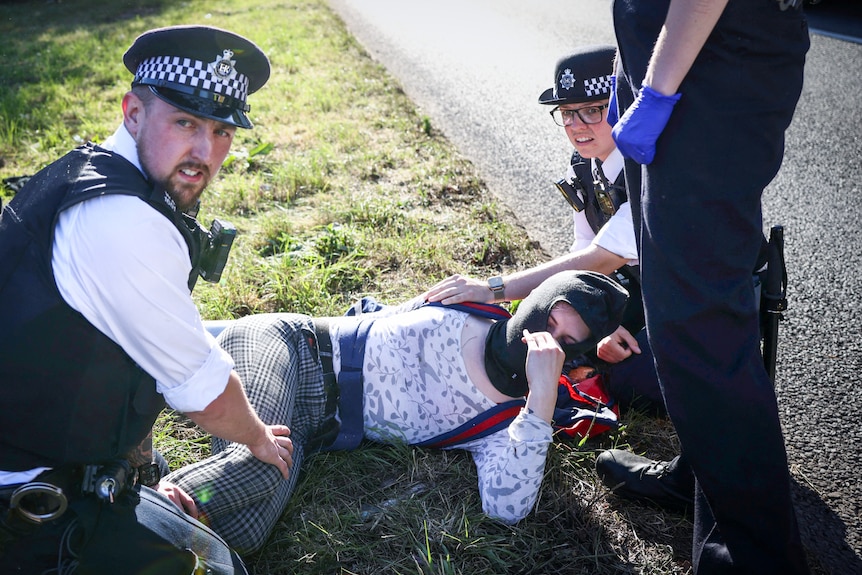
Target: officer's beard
184, 194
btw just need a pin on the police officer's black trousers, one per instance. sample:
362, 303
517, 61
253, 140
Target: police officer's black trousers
140, 534
700, 233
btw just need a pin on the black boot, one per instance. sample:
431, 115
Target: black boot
668, 484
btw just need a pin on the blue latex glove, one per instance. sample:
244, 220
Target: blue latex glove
638, 130
613, 113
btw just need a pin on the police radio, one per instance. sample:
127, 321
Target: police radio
605, 191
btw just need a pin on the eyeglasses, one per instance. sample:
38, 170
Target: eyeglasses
587, 115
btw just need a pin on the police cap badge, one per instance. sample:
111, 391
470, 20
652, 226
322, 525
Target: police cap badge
583, 76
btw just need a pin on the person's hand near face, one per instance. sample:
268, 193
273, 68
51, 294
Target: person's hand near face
545, 360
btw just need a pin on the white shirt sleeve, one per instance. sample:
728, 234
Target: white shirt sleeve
584, 234
511, 466
618, 235
125, 268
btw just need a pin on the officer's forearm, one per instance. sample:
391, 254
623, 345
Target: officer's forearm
687, 26
143, 453
231, 417
593, 258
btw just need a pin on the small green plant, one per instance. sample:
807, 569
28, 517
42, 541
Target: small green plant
244, 160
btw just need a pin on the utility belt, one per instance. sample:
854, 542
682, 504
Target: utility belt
47, 497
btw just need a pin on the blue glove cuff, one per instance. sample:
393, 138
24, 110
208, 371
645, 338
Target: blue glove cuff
658, 98
638, 130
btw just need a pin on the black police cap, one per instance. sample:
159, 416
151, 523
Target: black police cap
205, 71
582, 76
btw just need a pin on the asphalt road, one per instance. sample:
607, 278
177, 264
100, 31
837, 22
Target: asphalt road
476, 69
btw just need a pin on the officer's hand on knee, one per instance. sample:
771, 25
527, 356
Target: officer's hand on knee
180, 498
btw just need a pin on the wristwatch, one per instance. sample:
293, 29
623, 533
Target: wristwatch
495, 284
149, 474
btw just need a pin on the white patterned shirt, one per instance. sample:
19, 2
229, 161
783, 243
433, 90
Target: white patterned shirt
416, 387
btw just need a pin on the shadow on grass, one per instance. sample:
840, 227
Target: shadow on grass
652, 528
30, 29
388, 509
70, 14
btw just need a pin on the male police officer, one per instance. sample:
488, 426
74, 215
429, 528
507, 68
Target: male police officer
97, 261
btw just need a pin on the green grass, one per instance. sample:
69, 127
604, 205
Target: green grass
342, 189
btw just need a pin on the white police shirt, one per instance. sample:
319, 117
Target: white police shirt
617, 235
125, 268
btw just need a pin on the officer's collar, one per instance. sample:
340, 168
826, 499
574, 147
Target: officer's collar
122, 143
612, 166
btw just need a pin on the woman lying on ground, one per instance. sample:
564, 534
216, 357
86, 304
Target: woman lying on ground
421, 371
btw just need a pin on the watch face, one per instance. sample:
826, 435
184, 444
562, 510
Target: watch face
149, 474
495, 283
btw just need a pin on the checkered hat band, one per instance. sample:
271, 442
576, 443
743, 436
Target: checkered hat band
192, 73
598, 86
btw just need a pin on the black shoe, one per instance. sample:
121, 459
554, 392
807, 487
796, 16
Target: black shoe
663, 483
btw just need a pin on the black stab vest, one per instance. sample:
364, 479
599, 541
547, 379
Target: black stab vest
70, 395
628, 276
584, 179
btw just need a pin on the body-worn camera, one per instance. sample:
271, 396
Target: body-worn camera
570, 192
212, 246
215, 247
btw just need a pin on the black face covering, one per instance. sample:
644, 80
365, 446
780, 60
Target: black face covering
599, 301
